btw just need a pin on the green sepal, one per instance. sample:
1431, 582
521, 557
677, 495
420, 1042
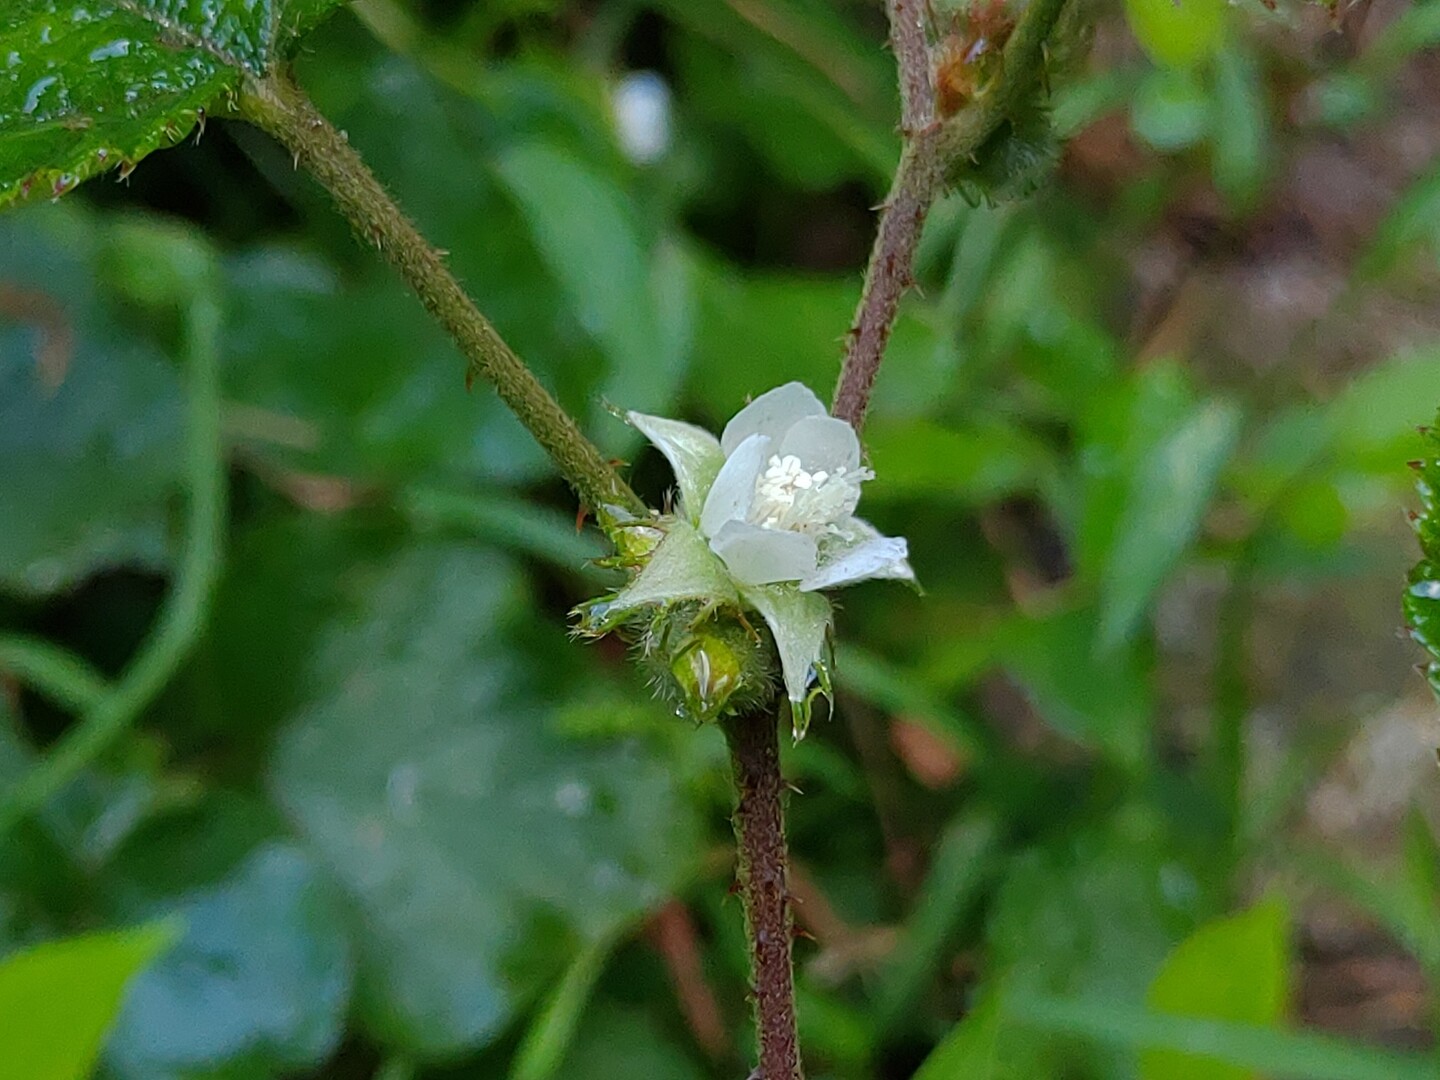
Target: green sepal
1013, 162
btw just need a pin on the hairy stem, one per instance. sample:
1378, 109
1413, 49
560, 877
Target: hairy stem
917, 181
183, 618
279, 107
930, 146
912, 56
763, 870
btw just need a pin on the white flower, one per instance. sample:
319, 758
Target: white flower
775, 496
641, 105
774, 499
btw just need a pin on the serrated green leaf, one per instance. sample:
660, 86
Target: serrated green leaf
1237, 969
1422, 596
85, 86
59, 999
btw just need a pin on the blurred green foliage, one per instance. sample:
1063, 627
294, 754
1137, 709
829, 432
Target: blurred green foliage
403, 828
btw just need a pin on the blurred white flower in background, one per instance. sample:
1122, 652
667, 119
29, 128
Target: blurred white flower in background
640, 102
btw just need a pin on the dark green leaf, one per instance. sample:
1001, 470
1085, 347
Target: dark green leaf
615, 1043
259, 981
1170, 490
352, 379
1240, 143
970, 1048
975, 465
630, 294
1107, 904
89, 86
477, 848
1099, 697
89, 414
800, 85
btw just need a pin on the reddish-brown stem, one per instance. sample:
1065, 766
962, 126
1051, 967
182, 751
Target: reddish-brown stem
917, 181
931, 143
912, 56
764, 890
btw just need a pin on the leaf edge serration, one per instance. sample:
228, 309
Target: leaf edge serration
1422, 594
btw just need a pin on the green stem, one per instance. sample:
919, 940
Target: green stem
543, 1049
61, 676
1232, 702
182, 620
930, 146
281, 108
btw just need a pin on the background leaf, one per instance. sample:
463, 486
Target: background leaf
259, 981
465, 835
89, 415
59, 999
1237, 968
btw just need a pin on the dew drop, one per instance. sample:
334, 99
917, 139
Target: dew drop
32, 99
118, 47
573, 798
1426, 590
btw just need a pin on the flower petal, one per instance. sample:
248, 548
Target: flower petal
758, 556
694, 455
734, 488
866, 555
822, 442
799, 622
772, 414
682, 567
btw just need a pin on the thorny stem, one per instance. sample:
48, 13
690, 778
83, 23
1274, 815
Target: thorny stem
930, 146
764, 889
281, 108
917, 182
912, 55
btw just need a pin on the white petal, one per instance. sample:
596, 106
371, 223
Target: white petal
682, 567
799, 621
759, 556
734, 488
772, 414
694, 455
868, 555
822, 442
